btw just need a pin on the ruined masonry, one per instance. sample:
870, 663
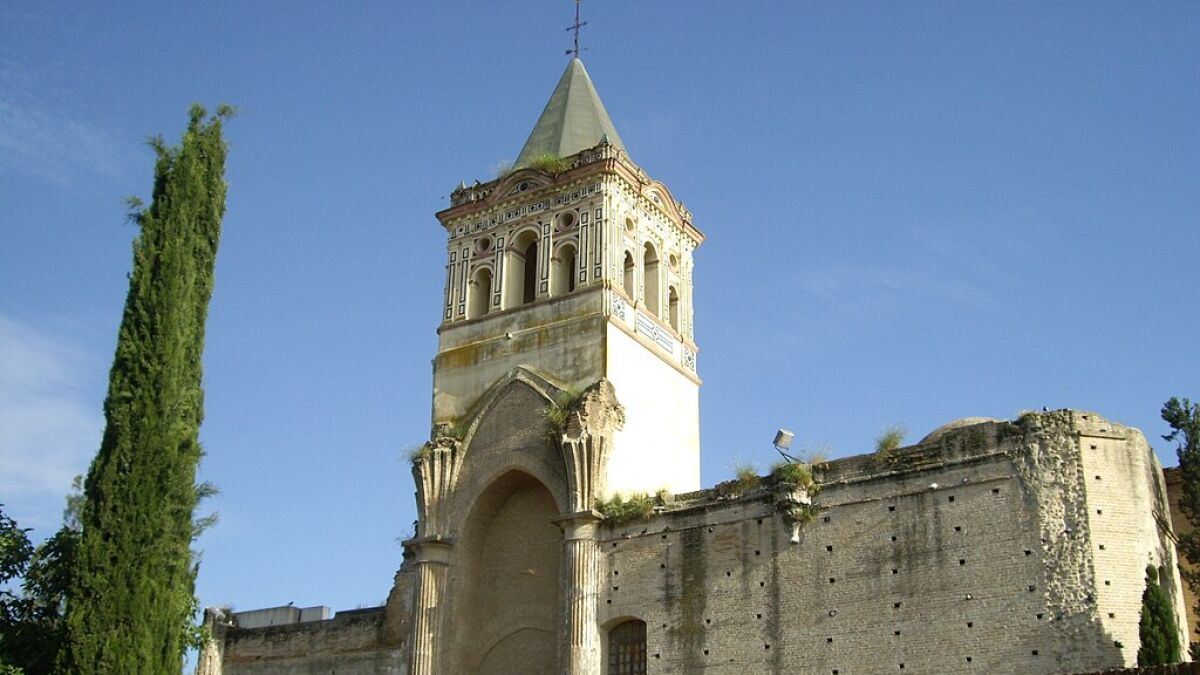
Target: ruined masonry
566, 373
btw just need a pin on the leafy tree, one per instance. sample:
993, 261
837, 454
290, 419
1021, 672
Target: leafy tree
130, 596
1183, 417
1156, 628
31, 621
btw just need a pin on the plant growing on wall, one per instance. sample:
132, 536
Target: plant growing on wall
888, 442
618, 510
1157, 629
1183, 417
130, 600
549, 163
556, 413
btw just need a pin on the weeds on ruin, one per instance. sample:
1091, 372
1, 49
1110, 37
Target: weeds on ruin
556, 413
888, 442
795, 475
618, 510
746, 478
549, 163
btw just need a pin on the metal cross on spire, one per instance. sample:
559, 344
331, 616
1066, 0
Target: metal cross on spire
575, 27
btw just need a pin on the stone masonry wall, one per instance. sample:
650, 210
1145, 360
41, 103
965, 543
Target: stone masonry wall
969, 554
1000, 547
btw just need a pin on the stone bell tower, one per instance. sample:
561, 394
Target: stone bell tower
565, 372
578, 266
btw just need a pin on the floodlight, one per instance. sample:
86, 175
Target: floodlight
783, 439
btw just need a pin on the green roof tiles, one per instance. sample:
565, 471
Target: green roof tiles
574, 119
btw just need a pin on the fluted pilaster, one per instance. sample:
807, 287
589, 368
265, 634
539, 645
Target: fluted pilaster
432, 559
580, 647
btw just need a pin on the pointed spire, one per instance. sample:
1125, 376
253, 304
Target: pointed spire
574, 119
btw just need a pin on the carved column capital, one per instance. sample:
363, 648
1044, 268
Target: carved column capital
435, 471
579, 525
586, 440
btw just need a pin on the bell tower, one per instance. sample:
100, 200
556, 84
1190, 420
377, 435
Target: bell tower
577, 266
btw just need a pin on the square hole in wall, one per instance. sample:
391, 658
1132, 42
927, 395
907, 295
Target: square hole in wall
970, 624
995, 491
832, 580
895, 632
1102, 547
829, 549
1028, 552
958, 528
1111, 615
829, 639
962, 561
1032, 588
950, 498
1107, 582
895, 571
891, 508
827, 519
1040, 615
1034, 652
895, 605
893, 537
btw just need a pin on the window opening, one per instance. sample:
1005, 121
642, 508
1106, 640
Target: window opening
627, 648
650, 270
481, 291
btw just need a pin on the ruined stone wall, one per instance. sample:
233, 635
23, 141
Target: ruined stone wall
972, 553
372, 641
1000, 547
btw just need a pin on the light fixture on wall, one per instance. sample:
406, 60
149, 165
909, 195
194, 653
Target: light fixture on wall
783, 442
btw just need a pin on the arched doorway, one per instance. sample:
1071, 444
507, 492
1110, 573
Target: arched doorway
508, 601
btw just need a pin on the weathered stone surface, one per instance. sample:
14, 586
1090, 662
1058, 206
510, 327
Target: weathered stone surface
985, 551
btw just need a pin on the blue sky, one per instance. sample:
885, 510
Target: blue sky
916, 212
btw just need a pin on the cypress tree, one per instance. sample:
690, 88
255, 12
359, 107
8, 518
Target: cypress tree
1157, 629
131, 596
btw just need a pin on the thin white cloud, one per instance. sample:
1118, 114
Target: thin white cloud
41, 136
49, 424
930, 266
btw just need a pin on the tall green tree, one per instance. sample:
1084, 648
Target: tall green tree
131, 594
1157, 628
1183, 417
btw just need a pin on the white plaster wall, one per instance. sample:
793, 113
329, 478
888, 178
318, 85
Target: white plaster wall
660, 444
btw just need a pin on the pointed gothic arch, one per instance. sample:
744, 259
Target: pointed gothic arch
506, 591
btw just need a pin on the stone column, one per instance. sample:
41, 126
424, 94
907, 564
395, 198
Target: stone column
433, 557
581, 576
435, 471
585, 444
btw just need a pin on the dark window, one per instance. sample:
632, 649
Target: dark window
531, 265
627, 649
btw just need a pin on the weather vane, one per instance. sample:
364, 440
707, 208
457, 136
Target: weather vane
575, 27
